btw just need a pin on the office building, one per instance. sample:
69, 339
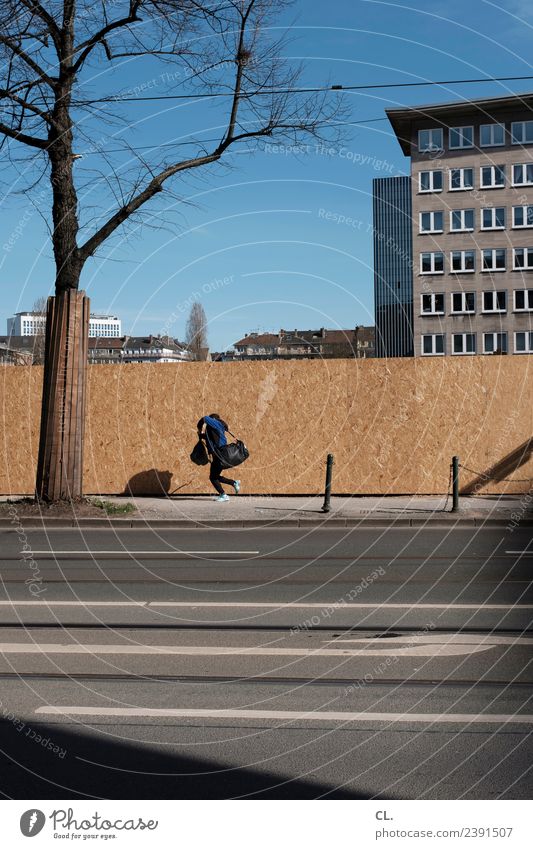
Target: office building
472, 224
33, 324
393, 266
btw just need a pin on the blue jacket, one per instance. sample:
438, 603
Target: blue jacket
215, 431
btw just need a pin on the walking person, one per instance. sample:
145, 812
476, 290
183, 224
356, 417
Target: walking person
215, 437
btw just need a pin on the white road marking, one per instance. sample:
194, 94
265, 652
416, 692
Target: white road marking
265, 605
434, 639
240, 651
338, 606
41, 603
523, 553
328, 715
51, 555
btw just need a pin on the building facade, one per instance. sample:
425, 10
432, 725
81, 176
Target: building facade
154, 349
16, 351
33, 324
472, 224
137, 349
305, 344
28, 350
102, 326
393, 266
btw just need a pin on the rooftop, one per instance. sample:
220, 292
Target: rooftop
403, 119
295, 337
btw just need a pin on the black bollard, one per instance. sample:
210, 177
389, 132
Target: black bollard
326, 507
455, 484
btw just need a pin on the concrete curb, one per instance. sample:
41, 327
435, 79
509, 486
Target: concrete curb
442, 519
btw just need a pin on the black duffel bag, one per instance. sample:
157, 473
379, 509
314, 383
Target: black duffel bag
232, 454
199, 454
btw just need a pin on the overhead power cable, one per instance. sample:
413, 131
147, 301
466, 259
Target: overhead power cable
117, 98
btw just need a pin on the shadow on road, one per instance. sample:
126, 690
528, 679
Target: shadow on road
83, 764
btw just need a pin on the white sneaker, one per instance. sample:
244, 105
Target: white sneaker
237, 487
222, 497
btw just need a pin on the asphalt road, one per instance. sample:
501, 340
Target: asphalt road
295, 663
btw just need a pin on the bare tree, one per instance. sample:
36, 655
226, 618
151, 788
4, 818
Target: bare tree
39, 309
223, 49
196, 332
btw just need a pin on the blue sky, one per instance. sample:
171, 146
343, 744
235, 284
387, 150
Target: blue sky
280, 238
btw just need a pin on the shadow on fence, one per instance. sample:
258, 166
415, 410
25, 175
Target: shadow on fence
151, 482
500, 471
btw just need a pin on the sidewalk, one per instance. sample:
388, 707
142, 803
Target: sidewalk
249, 511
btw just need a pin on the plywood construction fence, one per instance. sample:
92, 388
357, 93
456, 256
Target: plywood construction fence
393, 425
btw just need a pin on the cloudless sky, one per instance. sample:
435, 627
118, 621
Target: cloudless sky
254, 242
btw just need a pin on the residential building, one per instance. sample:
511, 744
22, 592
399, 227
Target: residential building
137, 349
393, 266
16, 350
472, 220
305, 344
105, 351
126, 349
33, 324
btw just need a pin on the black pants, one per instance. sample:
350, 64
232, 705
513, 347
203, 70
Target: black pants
216, 478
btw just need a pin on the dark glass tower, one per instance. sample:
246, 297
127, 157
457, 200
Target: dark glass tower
393, 266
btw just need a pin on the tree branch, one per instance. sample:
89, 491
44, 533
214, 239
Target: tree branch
46, 17
87, 46
42, 144
241, 61
10, 95
17, 49
154, 187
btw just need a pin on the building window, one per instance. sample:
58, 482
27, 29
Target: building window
522, 132
491, 135
430, 181
493, 218
495, 343
463, 302
523, 300
493, 259
461, 220
430, 140
492, 176
523, 343
523, 259
495, 301
522, 216
432, 263
461, 179
461, 137
463, 343
462, 261
523, 174
431, 222
433, 344
432, 304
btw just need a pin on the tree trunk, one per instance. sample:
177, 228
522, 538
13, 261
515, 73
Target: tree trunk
60, 463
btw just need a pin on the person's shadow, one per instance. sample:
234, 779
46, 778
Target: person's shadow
152, 482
